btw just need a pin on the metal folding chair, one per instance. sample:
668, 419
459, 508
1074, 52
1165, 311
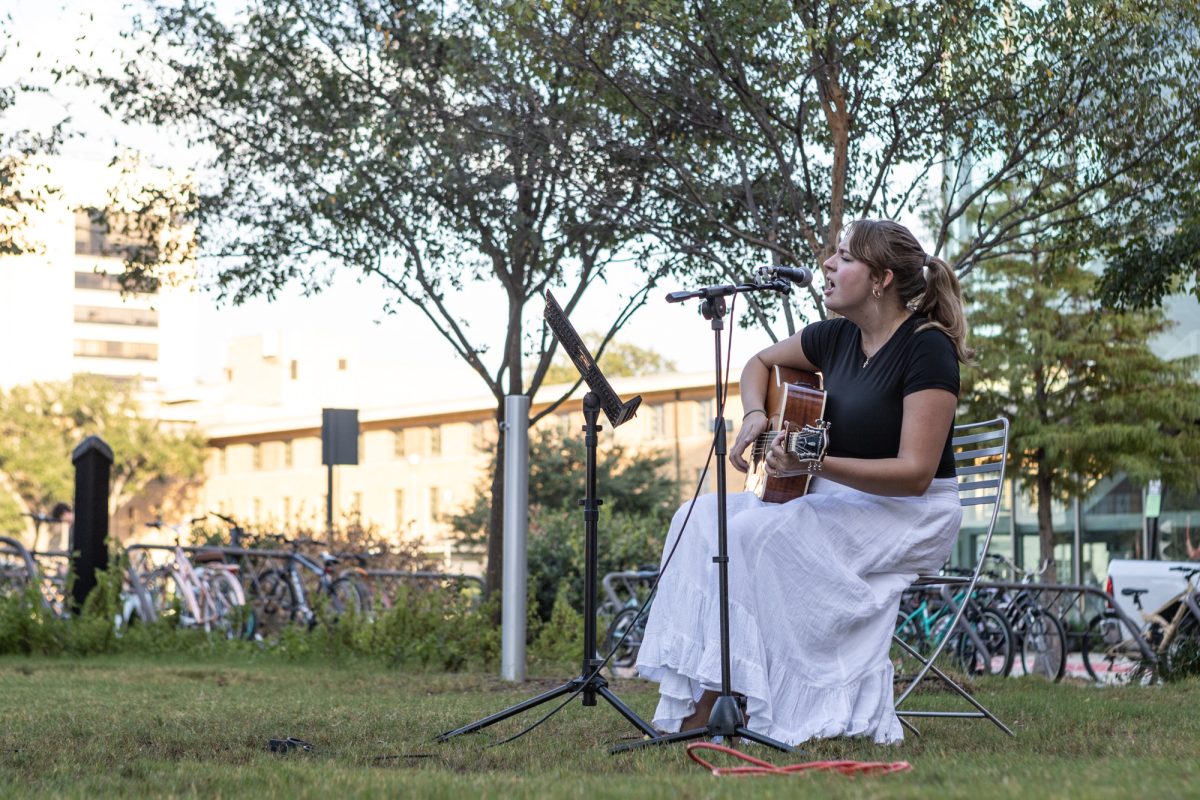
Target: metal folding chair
980, 453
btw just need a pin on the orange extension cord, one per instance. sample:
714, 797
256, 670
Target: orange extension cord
765, 768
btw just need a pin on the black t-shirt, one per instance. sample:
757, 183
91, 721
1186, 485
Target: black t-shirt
865, 404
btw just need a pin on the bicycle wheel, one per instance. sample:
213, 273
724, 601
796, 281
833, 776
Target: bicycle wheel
996, 636
274, 602
1103, 649
234, 617
627, 626
169, 599
1182, 656
348, 596
1043, 645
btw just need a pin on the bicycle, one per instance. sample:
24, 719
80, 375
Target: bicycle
281, 595
624, 614
1171, 631
982, 641
1039, 637
205, 594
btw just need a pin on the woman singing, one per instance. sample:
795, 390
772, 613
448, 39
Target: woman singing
815, 583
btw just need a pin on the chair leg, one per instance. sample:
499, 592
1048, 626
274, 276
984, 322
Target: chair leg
963, 693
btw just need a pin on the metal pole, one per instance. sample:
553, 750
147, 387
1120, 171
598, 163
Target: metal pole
1077, 546
329, 501
516, 523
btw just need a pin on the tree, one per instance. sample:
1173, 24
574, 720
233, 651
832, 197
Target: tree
631, 483
1086, 395
22, 186
41, 424
1141, 272
619, 360
637, 504
779, 122
422, 145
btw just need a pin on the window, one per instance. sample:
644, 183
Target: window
294, 369
287, 510
398, 449
102, 315
401, 517
222, 460
357, 503
435, 503
341, 365
435, 440
94, 236
704, 416
288, 454
97, 281
99, 348
257, 510
657, 421
256, 456
480, 436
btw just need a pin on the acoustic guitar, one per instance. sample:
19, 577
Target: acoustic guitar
796, 401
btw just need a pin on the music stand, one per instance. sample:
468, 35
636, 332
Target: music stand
590, 683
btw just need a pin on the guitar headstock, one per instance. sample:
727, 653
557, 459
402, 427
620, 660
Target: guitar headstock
810, 442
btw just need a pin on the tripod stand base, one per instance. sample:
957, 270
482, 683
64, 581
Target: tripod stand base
702, 733
587, 689
724, 720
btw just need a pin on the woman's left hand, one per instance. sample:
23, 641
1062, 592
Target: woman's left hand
782, 464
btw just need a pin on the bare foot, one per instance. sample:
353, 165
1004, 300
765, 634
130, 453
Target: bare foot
699, 717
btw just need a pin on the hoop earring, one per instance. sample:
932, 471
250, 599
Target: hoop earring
876, 293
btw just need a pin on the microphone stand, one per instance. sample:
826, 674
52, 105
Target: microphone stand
726, 717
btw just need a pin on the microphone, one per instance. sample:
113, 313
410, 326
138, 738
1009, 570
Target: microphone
801, 276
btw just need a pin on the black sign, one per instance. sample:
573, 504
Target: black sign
339, 436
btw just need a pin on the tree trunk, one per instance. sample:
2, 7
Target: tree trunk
494, 574
1045, 523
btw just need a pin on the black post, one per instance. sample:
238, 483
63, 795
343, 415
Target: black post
89, 534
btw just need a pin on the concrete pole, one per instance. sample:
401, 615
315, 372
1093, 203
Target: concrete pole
516, 524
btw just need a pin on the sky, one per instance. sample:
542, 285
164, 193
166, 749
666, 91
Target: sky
38, 35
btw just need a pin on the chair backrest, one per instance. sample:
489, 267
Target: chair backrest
980, 453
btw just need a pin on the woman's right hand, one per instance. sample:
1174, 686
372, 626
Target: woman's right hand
753, 426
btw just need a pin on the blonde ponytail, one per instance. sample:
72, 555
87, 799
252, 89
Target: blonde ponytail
942, 304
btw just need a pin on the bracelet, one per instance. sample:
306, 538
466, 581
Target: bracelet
762, 411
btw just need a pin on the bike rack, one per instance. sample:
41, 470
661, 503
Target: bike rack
146, 605
1059, 596
421, 575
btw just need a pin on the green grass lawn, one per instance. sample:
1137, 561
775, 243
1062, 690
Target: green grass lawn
138, 727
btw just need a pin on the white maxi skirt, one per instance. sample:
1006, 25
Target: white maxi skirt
814, 588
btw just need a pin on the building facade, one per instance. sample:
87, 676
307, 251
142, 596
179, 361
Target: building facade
61, 300
421, 463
